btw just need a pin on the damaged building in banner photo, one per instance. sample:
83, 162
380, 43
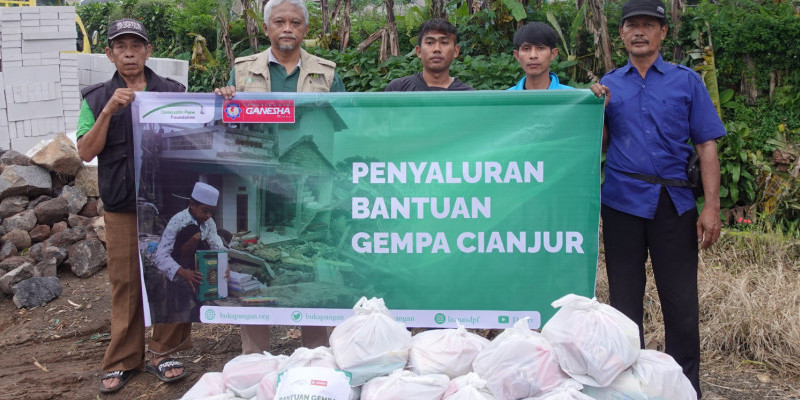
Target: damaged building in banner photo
276, 184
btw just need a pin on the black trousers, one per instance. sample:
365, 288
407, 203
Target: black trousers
671, 241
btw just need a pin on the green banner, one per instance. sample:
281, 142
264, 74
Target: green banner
474, 208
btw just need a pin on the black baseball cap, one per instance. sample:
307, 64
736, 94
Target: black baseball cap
127, 26
653, 8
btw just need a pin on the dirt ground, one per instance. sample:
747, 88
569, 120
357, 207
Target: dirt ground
54, 352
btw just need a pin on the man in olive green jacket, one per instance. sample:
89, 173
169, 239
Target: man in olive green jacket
284, 67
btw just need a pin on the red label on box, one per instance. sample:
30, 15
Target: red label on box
319, 383
258, 111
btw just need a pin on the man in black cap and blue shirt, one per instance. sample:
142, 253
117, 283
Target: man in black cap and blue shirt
653, 109
105, 132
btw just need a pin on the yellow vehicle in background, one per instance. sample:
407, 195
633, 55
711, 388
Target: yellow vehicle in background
82, 45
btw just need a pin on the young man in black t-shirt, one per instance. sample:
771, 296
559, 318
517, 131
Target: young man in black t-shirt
437, 47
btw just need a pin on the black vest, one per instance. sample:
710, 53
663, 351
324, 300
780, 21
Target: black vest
115, 170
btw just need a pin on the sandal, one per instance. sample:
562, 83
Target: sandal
123, 376
164, 366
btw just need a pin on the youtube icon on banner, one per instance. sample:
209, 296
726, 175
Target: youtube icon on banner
258, 111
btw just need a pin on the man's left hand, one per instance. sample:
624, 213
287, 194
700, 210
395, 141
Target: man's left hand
601, 90
708, 224
708, 227
226, 92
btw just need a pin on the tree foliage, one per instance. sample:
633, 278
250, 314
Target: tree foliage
753, 42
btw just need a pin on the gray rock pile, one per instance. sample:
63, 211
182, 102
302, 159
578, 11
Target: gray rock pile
50, 220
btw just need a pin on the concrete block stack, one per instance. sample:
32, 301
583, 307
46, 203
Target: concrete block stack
40, 83
4, 138
96, 68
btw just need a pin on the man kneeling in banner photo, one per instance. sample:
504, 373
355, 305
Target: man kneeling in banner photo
187, 232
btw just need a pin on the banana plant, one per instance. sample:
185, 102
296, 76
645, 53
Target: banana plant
416, 15
202, 58
516, 8
569, 47
708, 71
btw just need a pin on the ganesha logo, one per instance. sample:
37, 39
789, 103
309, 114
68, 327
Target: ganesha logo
255, 111
439, 318
233, 110
297, 316
210, 314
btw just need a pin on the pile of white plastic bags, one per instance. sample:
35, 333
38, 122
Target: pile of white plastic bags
587, 350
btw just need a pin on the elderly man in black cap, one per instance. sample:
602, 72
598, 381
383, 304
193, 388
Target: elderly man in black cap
653, 110
105, 132
284, 67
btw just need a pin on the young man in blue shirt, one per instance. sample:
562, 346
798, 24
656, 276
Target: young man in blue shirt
653, 109
535, 48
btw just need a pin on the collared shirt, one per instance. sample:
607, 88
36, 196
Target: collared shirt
163, 256
554, 83
274, 60
280, 81
650, 121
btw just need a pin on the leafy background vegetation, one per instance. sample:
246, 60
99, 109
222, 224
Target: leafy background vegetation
748, 47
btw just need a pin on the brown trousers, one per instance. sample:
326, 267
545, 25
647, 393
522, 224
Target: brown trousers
255, 338
126, 349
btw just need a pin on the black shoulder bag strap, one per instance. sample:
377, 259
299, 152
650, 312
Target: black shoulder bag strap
659, 180
692, 171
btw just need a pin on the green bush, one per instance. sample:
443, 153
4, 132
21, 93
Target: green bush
195, 16
766, 32
96, 17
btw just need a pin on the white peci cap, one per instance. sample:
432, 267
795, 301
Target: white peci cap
205, 193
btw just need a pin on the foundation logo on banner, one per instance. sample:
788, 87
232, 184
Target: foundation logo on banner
258, 111
182, 112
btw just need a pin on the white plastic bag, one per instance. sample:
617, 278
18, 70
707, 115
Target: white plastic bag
593, 342
265, 390
224, 396
210, 384
654, 376
304, 357
569, 390
313, 383
370, 343
625, 387
405, 385
243, 373
519, 363
445, 351
468, 387
662, 378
